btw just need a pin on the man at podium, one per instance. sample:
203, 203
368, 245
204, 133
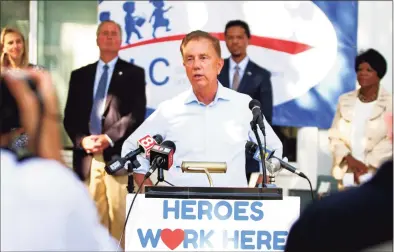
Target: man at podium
207, 123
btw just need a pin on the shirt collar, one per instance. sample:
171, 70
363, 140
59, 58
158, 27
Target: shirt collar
221, 94
242, 65
111, 64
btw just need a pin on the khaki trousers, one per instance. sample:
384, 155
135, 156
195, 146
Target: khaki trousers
109, 193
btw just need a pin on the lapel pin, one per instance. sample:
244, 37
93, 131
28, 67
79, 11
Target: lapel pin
249, 73
120, 73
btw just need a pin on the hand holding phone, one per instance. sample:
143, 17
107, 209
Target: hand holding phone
36, 104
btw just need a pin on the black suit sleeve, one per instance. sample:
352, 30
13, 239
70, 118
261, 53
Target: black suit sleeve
71, 115
134, 109
265, 97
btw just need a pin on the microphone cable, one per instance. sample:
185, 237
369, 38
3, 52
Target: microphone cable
131, 205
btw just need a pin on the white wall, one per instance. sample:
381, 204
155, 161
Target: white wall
314, 158
375, 21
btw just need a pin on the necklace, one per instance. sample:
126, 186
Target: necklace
365, 99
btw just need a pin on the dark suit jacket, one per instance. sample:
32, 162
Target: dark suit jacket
256, 82
124, 109
350, 220
257, 85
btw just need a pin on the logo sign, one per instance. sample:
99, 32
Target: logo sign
147, 142
210, 225
295, 41
161, 149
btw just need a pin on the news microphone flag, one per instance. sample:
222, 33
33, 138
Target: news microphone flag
147, 142
257, 155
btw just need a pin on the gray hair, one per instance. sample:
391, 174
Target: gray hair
106, 22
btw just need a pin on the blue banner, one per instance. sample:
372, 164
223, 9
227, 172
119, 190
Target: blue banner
317, 107
309, 47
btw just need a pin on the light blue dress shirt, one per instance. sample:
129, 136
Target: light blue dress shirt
216, 132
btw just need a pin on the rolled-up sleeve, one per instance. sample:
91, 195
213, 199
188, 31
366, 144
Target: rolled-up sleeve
153, 125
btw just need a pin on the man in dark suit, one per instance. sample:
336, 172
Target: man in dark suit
242, 74
351, 220
106, 103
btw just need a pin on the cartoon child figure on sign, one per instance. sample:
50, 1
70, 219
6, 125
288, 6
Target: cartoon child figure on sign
158, 14
131, 22
104, 16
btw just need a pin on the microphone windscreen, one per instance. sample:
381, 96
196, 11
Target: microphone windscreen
254, 103
250, 147
169, 144
158, 138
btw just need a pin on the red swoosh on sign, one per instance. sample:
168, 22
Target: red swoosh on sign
279, 45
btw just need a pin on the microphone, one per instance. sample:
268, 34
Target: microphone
161, 156
147, 142
289, 167
144, 146
252, 149
258, 117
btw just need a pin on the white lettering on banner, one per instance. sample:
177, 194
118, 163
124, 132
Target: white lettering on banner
293, 40
209, 225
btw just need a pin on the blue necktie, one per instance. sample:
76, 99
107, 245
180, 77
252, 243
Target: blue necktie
95, 115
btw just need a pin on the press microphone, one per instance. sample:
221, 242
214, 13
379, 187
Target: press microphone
144, 146
258, 117
252, 148
288, 167
253, 151
161, 157
146, 143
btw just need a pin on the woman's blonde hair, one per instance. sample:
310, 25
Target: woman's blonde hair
4, 60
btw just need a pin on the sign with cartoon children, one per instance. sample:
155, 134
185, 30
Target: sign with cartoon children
296, 41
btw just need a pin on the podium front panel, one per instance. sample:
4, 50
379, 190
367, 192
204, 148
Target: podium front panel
157, 224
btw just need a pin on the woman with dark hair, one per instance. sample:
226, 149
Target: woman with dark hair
358, 138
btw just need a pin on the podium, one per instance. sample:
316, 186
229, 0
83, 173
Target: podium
210, 219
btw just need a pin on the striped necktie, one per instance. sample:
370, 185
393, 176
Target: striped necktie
236, 79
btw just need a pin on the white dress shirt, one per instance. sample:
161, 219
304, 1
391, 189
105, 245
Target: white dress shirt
99, 73
242, 67
216, 132
45, 207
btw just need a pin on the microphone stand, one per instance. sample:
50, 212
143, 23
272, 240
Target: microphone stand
160, 171
263, 171
130, 178
131, 165
160, 176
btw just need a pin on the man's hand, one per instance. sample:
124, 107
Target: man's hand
95, 143
89, 144
102, 142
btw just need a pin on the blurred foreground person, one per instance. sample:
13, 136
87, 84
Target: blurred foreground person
44, 206
352, 220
